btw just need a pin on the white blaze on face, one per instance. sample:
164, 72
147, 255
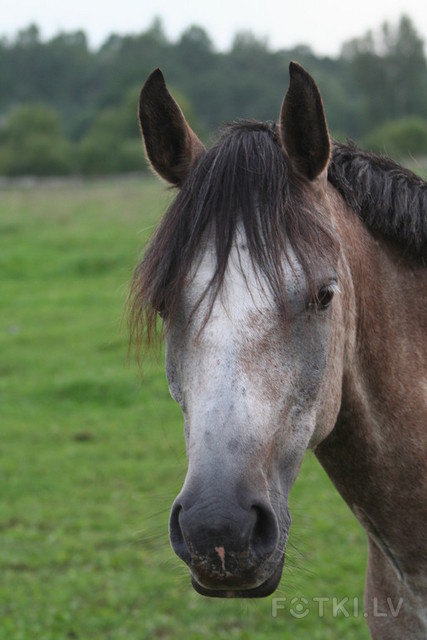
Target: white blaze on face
249, 383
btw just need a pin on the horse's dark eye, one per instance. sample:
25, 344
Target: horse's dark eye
324, 297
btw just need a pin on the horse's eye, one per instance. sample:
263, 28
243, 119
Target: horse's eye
324, 297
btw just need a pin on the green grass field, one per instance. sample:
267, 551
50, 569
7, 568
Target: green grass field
92, 453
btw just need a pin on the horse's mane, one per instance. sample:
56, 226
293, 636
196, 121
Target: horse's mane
245, 179
390, 200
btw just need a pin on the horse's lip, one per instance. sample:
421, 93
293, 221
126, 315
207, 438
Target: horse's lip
266, 588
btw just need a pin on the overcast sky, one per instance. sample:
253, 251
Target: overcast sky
324, 25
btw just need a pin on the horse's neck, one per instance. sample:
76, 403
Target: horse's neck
375, 453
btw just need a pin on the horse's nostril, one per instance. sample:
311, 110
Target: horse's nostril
265, 534
175, 532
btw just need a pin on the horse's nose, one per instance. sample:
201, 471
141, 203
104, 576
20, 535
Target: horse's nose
221, 536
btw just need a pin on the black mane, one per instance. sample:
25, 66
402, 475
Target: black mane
389, 199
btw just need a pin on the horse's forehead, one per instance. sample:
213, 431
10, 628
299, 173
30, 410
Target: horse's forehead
242, 288
245, 289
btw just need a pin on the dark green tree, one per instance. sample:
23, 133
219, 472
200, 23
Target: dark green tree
32, 143
403, 139
389, 67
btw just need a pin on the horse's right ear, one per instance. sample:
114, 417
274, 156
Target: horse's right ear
171, 146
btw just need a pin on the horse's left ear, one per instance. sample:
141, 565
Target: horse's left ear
303, 127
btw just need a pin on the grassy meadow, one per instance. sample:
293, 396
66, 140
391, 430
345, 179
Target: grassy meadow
92, 451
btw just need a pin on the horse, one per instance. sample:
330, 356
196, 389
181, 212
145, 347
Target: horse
288, 275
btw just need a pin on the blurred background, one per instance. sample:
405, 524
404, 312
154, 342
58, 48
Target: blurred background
91, 450
68, 106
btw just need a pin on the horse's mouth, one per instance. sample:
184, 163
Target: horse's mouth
266, 588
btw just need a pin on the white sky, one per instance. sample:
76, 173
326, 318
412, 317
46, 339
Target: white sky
323, 24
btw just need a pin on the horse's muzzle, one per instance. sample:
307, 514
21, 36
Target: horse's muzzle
232, 550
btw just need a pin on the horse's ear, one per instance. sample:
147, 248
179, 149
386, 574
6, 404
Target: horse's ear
171, 146
303, 127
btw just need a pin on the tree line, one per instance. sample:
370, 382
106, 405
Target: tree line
65, 108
